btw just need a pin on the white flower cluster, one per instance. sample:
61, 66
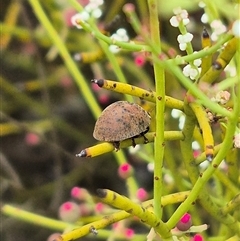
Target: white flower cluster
178, 114
92, 9
217, 26
204, 18
120, 35
192, 71
221, 97
181, 15
183, 40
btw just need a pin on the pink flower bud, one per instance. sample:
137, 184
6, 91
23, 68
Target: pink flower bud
197, 237
139, 60
69, 212
53, 236
32, 139
129, 233
125, 170
185, 222
80, 193
129, 8
142, 194
103, 99
99, 207
66, 82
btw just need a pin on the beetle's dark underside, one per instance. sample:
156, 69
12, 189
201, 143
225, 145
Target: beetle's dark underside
116, 144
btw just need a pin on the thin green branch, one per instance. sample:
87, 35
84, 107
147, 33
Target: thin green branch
78, 77
35, 218
160, 107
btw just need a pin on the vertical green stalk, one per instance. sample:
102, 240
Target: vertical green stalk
160, 104
71, 66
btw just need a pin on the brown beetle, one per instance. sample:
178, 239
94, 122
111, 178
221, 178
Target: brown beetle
120, 121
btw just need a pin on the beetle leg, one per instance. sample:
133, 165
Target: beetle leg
116, 145
133, 142
145, 138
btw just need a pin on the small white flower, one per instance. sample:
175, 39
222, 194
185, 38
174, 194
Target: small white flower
183, 46
181, 15
180, 38
191, 72
176, 113
186, 38
181, 122
197, 62
214, 36
204, 18
174, 21
195, 145
218, 29
120, 35
91, 9
114, 48
167, 178
202, 4
180, 12
186, 70
97, 13
231, 70
236, 28
83, 16
204, 165
186, 21
150, 167
183, 40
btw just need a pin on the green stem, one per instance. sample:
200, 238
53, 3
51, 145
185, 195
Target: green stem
124, 45
160, 105
202, 53
71, 66
35, 218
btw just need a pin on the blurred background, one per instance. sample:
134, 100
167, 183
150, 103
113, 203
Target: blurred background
45, 119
